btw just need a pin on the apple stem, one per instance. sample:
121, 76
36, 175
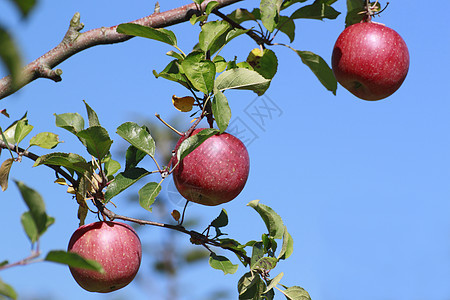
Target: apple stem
183, 213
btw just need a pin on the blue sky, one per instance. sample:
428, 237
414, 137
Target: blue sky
363, 187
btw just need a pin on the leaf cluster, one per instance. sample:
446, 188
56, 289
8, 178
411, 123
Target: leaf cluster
262, 258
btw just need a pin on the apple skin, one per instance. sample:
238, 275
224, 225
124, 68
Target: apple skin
215, 172
116, 246
370, 60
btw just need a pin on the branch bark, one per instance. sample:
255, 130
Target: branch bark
76, 41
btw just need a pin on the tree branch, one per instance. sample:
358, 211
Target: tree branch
76, 41
195, 237
34, 157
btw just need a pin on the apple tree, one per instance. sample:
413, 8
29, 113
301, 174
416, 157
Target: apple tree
209, 166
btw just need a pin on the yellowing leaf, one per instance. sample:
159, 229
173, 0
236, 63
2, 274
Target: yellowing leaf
183, 104
71, 190
61, 181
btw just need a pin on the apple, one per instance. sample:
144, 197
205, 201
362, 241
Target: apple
215, 172
370, 60
116, 246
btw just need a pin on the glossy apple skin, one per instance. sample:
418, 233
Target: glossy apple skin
116, 246
215, 172
370, 60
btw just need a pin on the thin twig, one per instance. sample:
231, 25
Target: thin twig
258, 39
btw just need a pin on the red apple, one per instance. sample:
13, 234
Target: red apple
215, 172
370, 60
116, 246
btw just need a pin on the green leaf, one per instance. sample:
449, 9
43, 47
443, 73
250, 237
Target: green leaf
320, 68
22, 130
318, 10
46, 140
296, 293
354, 7
220, 62
158, 34
97, 141
10, 55
241, 15
175, 54
252, 287
148, 194
192, 142
25, 6
194, 19
257, 253
210, 7
5, 168
244, 65
73, 260
222, 263
211, 34
287, 3
133, 156
265, 63
246, 282
35, 205
199, 71
111, 167
71, 161
287, 26
7, 290
221, 220
29, 226
72, 122
236, 246
235, 33
242, 79
92, 116
174, 73
221, 110
273, 221
288, 245
11, 130
138, 136
270, 245
273, 283
270, 10
124, 180
265, 263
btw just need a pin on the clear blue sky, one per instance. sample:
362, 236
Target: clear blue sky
363, 187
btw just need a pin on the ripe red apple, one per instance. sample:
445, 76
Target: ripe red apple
215, 172
370, 60
116, 246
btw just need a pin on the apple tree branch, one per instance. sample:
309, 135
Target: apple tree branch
76, 41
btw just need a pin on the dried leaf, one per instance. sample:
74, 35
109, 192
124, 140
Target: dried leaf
4, 173
183, 104
175, 215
